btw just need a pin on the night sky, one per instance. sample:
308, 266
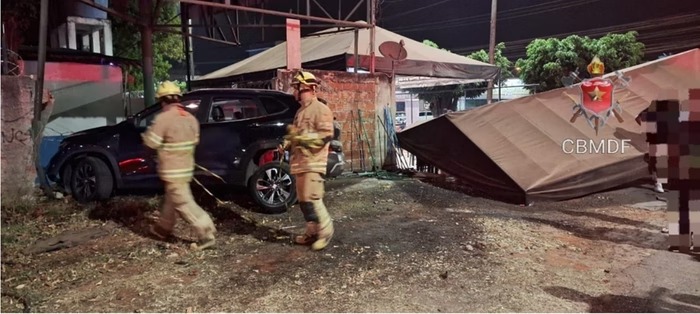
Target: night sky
462, 26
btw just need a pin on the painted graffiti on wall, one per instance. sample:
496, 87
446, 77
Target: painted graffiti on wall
12, 135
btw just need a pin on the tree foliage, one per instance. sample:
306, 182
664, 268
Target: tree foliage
445, 97
548, 60
475, 89
167, 47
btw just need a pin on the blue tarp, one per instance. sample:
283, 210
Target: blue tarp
49, 148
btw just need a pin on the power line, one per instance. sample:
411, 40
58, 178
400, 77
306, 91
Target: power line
651, 26
501, 17
482, 16
416, 10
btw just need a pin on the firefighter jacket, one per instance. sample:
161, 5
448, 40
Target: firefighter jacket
313, 120
174, 133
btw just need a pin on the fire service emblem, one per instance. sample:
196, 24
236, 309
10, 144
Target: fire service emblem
597, 101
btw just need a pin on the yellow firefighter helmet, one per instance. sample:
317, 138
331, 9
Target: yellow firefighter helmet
168, 88
305, 78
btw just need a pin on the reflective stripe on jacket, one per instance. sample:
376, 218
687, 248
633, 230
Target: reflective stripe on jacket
316, 121
174, 133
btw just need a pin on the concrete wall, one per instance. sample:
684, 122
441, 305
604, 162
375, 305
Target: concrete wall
346, 93
18, 170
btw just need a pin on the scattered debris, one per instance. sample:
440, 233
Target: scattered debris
66, 240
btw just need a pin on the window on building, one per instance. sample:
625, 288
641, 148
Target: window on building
400, 106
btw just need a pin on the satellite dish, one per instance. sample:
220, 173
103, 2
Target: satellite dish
393, 50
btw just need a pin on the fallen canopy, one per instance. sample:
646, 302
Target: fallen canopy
518, 151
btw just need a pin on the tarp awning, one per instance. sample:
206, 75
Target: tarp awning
422, 59
521, 148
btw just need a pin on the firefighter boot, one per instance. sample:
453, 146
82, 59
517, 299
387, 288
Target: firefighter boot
206, 231
309, 236
325, 226
307, 208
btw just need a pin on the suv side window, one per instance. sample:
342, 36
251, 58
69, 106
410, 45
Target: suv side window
191, 105
231, 108
272, 105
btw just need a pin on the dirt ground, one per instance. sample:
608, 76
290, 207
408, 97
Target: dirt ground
401, 245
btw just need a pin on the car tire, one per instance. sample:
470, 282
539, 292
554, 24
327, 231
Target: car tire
65, 178
269, 185
91, 180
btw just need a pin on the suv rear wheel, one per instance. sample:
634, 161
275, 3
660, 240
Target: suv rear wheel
91, 180
273, 187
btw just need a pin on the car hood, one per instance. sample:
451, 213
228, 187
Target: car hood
91, 136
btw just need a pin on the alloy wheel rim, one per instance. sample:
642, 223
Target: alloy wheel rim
85, 181
274, 186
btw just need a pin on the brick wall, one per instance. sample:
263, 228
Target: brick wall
346, 93
18, 172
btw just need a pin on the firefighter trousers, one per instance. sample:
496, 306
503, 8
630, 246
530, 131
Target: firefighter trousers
310, 192
180, 202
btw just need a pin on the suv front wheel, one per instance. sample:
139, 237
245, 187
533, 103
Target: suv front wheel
273, 187
91, 180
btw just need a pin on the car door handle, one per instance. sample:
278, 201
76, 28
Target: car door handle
254, 125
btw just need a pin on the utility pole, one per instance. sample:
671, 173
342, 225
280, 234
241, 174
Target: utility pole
492, 49
186, 31
372, 35
147, 51
37, 122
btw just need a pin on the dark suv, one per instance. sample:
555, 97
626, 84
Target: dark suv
240, 131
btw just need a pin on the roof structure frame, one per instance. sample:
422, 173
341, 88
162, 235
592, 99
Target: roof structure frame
146, 21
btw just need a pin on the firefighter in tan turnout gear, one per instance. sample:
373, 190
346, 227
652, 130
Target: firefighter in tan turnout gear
174, 134
309, 139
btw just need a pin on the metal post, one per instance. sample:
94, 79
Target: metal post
190, 52
185, 18
308, 11
492, 48
37, 128
499, 84
357, 55
369, 11
410, 97
372, 36
41, 59
147, 52
340, 12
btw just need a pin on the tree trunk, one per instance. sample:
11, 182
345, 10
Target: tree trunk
442, 104
38, 127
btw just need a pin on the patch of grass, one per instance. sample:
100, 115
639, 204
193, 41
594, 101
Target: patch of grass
9, 238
